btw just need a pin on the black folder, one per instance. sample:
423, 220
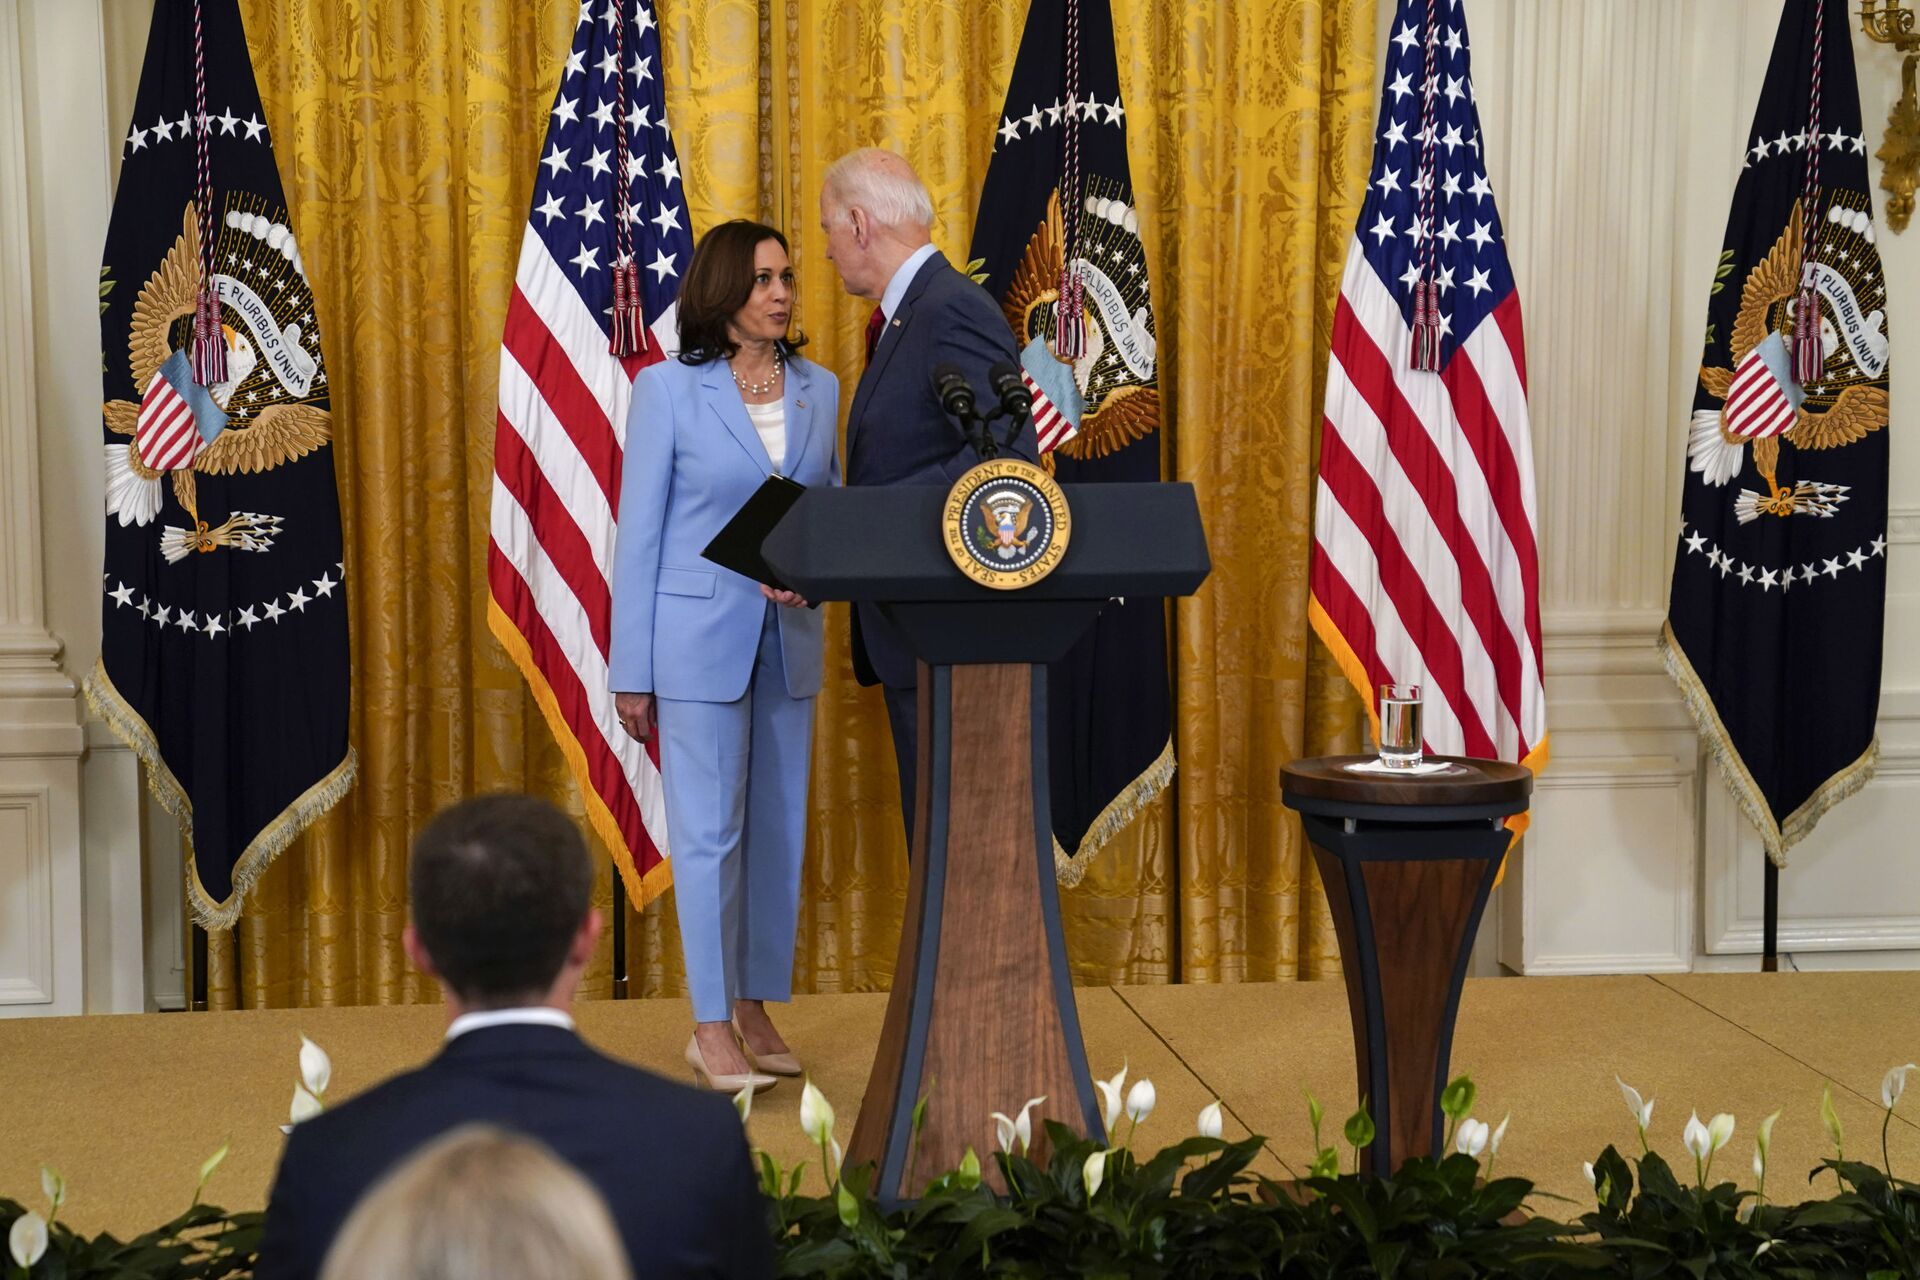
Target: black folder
737, 546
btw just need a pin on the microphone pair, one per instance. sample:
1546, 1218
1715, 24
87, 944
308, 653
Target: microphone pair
957, 397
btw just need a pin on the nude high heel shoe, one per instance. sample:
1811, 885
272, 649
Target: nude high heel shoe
725, 1081
779, 1064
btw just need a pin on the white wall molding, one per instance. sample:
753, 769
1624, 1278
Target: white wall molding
26, 912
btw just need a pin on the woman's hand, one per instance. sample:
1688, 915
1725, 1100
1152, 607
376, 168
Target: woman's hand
637, 715
791, 599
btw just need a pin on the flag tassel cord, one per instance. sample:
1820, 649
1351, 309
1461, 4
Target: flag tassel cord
1776, 837
260, 852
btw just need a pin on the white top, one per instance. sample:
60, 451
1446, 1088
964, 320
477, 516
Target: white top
897, 287
770, 420
539, 1016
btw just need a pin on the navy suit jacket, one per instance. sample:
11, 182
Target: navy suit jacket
671, 1161
897, 433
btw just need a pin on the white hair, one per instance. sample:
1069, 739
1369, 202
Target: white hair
882, 183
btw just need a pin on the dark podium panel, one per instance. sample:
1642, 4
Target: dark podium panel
1407, 862
982, 1014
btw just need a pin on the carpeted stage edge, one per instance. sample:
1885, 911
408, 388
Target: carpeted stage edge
127, 1107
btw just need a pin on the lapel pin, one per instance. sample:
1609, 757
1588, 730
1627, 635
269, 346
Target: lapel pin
799, 404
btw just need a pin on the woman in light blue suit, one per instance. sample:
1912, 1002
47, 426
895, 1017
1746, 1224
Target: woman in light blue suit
724, 669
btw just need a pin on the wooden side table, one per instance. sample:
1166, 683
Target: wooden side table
1408, 861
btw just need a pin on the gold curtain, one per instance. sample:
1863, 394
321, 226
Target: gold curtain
407, 131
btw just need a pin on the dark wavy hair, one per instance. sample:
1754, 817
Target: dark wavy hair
718, 283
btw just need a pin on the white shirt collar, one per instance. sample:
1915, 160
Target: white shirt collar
897, 287
533, 1017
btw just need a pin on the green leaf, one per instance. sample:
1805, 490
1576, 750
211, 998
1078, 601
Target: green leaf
1359, 1129
1831, 1118
969, 1170
848, 1207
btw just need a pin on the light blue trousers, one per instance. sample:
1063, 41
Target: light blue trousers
735, 775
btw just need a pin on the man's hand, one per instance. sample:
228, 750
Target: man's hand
637, 715
791, 599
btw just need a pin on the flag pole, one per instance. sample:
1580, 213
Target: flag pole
197, 968
619, 941
1770, 957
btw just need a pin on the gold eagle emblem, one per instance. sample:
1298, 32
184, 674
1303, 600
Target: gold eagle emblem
276, 434
1125, 413
1848, 417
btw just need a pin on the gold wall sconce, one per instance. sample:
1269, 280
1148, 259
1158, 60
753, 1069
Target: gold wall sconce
1900, 149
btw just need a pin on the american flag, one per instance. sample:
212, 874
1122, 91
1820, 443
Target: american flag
1425, 566
563, 409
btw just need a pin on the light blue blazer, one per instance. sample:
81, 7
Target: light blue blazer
683, 627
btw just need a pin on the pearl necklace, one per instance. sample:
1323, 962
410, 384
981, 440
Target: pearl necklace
760, 388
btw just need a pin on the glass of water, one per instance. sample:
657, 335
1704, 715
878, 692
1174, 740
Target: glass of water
1400, 726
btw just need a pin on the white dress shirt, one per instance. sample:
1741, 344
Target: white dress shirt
897, 287
537, 1016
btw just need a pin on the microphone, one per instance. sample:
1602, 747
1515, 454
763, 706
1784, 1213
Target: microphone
1007, 383
954, 391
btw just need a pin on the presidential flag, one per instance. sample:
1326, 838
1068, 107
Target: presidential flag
1780, 574
593, 304
223, 647
1057, 243
1425, 564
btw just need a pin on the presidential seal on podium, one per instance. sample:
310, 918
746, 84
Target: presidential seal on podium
1006, 524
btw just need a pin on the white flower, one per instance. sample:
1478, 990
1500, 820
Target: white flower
1695, 1138
1140, 1100
1719, 1132
305, 1105
743, 1102
1094, 1172
1208, 1123
1008, 1130
28, 1239
316, 1068
1642, 1111
1493, 1143
1759, 1165
1110, 1096
1894, 1085
54, 1187
816, 1115
1470, 1139
1586, 1167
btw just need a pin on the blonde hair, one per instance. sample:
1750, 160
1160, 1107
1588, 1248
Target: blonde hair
882, 183
479, 1203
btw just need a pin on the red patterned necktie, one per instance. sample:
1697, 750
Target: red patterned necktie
875, 323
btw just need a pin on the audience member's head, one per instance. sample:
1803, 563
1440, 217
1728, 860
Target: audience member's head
479, 1204
500, 888
876, 213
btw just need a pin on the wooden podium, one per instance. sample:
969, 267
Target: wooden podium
1407, 862
982, 1015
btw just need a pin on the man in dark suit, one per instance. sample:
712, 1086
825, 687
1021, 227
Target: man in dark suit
878, 220
500, 919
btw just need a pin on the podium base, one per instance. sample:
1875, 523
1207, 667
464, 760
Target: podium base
982, 1014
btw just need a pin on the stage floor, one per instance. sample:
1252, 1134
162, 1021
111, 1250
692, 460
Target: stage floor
127, 1107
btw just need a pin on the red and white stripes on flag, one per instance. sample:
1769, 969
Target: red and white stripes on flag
165, 436
1425, 567
1757, 405
562, 421
1052, 427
